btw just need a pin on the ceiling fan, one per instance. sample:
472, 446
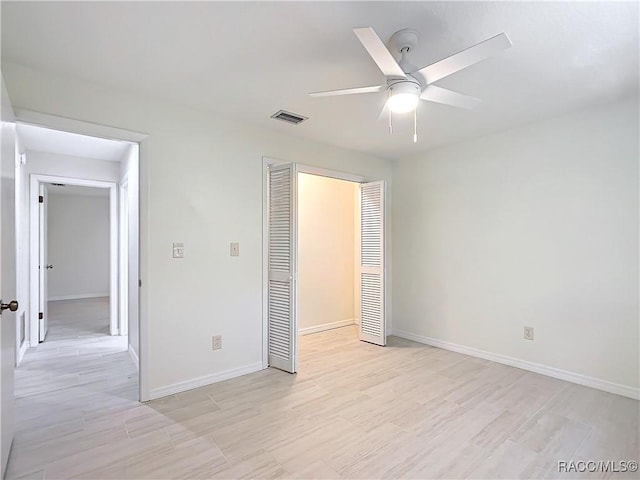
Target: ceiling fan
407, 84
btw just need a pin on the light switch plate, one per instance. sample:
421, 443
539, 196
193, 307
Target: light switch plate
234, 249
178, 250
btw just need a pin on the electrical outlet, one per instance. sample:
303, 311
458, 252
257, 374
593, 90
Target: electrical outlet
178, 250
234, 249
216, 342
528, 333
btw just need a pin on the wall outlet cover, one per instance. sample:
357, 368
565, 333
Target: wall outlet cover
528, 333
178, 250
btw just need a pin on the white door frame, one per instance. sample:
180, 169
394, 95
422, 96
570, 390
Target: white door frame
43, 252
301, 168
144, 156
35, 181
123, 245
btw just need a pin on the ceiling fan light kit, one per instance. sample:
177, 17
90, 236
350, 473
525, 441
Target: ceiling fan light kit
403, 96
407, 85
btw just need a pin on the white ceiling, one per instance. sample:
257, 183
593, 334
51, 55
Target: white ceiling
54, 141
248, 60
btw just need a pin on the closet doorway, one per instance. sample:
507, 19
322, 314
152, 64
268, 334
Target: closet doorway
328, 248
323, 258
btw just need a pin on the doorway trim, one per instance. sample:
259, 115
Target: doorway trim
144, 158
300, 168
123, 260
35, 180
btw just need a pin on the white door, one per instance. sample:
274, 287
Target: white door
43, 270
281, 291
7, 278
372, 316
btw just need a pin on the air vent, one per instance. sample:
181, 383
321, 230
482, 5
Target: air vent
289, 117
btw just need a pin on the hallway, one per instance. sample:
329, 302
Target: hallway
68, 384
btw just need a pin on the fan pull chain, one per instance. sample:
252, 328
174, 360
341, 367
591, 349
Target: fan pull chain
415, 126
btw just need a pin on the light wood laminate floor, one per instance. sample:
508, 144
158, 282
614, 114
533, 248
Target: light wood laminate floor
354, 410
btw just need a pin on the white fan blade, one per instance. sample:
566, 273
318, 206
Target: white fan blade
465, 58
380, 54
349, 91
448, 97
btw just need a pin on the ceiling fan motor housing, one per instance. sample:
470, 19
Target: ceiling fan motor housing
408, 86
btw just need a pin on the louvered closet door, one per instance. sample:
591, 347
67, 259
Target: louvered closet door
372, 318
282, 267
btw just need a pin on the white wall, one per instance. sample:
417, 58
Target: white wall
201, 184
46, 163
326, 223
78, 246
535, 226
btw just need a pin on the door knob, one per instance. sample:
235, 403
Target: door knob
49, 267
12, 305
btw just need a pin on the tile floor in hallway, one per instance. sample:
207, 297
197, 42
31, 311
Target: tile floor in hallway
354, 410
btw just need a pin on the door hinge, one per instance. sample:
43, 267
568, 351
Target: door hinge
40, 199
139, 283
40, 316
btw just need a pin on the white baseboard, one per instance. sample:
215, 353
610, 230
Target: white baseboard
326, 326
134, 357
203, 381
77, 296
605, 385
